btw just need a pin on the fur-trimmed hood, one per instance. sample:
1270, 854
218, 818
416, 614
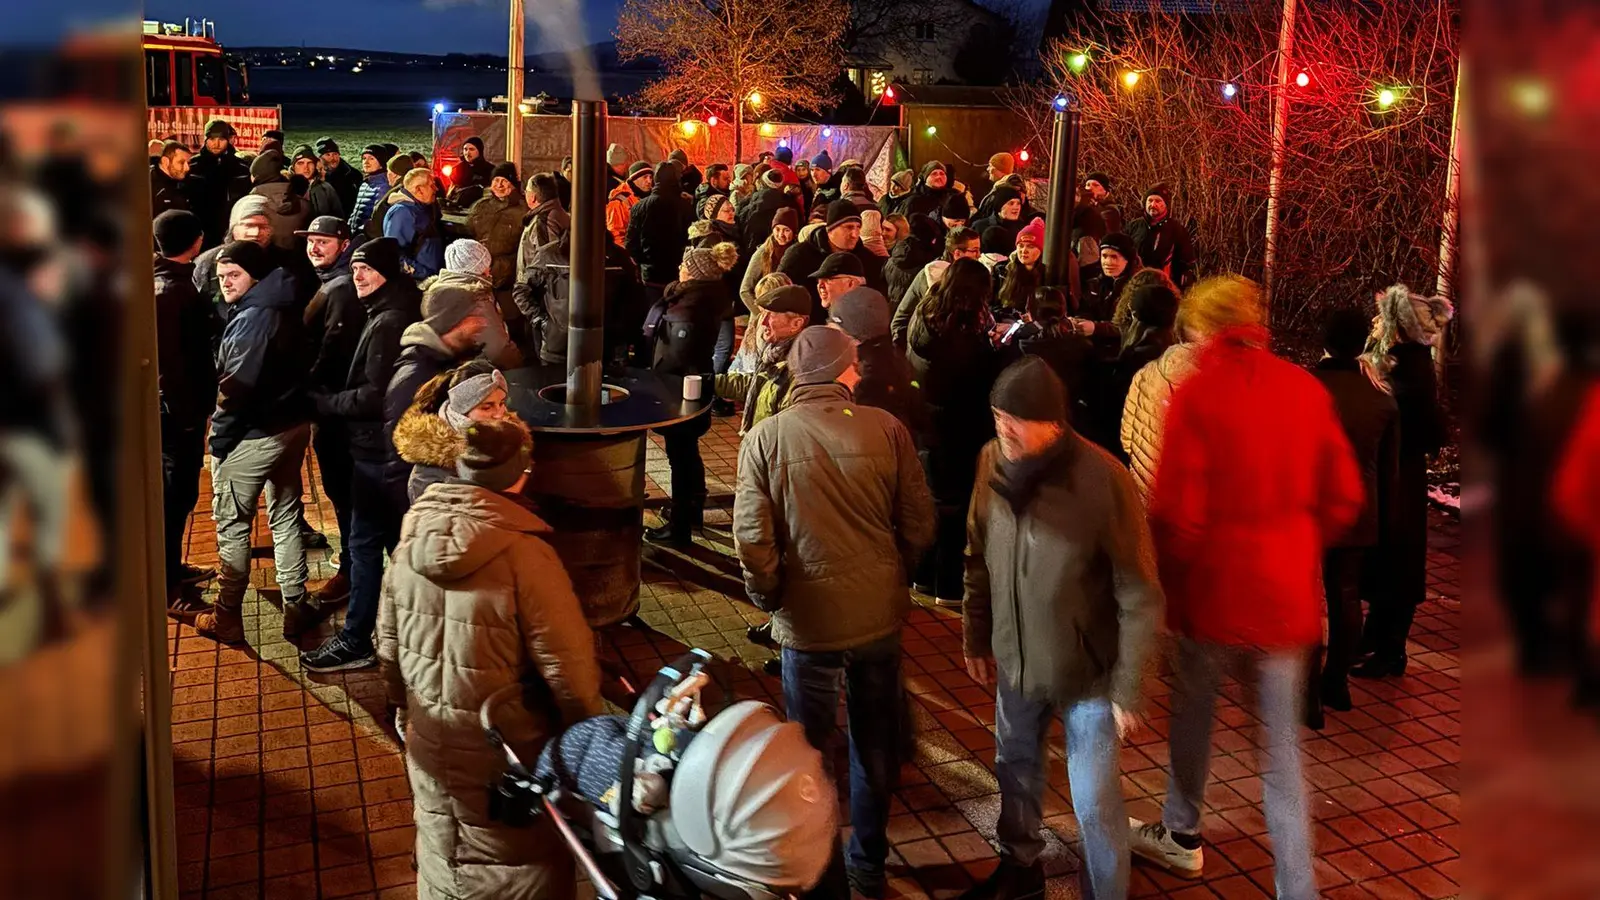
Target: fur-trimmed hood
424, 439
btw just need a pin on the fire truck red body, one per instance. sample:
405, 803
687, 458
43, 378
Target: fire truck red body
190, 80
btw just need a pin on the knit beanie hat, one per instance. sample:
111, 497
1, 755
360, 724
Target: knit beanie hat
476, 142
1030, 390
446, 305
468, 256
713, 205
506, 170
496, 455
1344, 335
267, 167
929, 168
326, 144
1153, 302
791, 298
702, 264
862, 312
679, 156
615, 155
1123, 244
955, 207
772, 178
382, 255
820, 355
247, 206
740, 170
390, 148
219, 128
822, 161
1003, 164
784, 155
304, 151
399, 164
901, 181
378, 152
1162, 191
466, 396
1033, 230
995, 239
1102, 178
786, 216
842, 212
176, 231
247, 255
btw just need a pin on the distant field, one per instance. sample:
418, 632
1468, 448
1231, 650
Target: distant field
351, 140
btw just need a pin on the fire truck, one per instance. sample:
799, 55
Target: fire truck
190, 80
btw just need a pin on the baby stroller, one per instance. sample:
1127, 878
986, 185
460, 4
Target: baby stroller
735, 808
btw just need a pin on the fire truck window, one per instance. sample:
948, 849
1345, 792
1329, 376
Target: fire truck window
184, 64
208, 81
158, 77
236, 84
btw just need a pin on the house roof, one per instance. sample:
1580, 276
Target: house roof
949, 95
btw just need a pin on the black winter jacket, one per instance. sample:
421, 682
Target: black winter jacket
1371, 421
955, 372
906, 259
886, 383
261, 366
545, 294
1164, 245
346, 183
186, 371
422, 356
215, 178
167, 193
687, 335
658, 229
333, 324
358, 403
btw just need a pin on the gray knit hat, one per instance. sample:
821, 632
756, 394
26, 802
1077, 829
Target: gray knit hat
1030, 390
468, 256
496, 455
820, 355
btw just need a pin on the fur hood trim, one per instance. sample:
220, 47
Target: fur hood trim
424, 439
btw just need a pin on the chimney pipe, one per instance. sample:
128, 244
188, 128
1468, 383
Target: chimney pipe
587, 316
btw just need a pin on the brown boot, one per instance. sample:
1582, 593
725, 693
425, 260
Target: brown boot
333, 592
221, 623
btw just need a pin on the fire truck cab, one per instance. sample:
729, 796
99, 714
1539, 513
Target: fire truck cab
185, 66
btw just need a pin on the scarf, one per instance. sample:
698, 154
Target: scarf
1018, 480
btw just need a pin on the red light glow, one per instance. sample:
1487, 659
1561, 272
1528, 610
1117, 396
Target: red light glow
1303, 79
1023, 155
447, 170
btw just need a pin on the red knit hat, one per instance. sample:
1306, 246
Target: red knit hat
1034, 230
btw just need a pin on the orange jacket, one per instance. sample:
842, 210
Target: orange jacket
619, 205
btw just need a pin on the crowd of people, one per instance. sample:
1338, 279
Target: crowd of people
1066, 466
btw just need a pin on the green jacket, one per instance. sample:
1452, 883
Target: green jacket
763, 393
1064, 595
830, 517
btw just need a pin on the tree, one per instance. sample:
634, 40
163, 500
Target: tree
718, 54
1364, 184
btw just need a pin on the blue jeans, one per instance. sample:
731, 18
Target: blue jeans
1198, 669
722, 354
871, 678
1093, 771
374, 528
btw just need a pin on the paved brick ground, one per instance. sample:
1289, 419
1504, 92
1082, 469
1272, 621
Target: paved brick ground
287, 787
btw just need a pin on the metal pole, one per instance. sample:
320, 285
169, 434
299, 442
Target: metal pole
1448, 236
1280, 132
738, 130
587, 316
514, 63
1058, 255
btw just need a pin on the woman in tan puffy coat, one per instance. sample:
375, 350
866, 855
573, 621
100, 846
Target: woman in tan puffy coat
475, 600
1144, 412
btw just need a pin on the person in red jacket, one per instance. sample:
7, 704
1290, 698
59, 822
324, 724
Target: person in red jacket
1256, 478
1575, 495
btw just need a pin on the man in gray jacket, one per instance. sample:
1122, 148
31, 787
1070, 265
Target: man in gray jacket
1061, 606
830, 517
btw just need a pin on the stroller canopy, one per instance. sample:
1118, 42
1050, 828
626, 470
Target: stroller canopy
751, 797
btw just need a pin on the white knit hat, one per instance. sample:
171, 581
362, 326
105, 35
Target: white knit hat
468, 256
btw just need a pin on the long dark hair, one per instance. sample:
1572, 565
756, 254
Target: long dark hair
1021, 282
960, 301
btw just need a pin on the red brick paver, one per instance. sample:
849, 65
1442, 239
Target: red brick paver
287, 786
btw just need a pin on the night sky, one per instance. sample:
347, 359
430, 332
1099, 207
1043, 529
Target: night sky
403, 26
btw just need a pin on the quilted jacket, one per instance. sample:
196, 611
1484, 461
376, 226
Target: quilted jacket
475, 600
1144, 413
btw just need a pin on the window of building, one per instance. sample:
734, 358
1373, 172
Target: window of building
926, 31
922, 76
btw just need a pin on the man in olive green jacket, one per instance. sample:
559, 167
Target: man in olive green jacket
830, 516
1061, 606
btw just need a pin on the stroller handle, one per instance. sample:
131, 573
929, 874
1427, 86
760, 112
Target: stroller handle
629, 823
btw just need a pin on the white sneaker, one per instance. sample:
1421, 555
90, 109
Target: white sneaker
1152, 841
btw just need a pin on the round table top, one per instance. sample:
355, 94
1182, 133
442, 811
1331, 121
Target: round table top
653, 401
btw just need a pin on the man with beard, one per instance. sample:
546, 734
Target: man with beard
473, 174
719, 181
345, 179
320, 193
334, 320
216, 170
1098, 187
623, 197
1162, 240
169, 185
929, 196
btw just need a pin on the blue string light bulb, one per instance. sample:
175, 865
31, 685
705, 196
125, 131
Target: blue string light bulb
827, 132
1230, 90
1062, 102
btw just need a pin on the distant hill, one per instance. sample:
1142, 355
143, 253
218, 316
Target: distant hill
604, 54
